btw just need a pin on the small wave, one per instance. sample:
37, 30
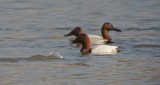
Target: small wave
56, 37
134, 28
65, 28
43, 57
153, 28
149, 20
146, 46
143, 29
29, 8
9, 29
11, 59
20, 1
28, 38
32, 58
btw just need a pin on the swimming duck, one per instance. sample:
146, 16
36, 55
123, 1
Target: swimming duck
106, 27
96, 50
106, 38
76, 31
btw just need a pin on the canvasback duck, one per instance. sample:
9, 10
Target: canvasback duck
96, 50
78, 30
95, 39
106, 27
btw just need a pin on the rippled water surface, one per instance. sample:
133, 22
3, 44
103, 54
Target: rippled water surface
31, 29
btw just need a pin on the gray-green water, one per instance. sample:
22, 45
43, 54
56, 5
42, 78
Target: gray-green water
36, 27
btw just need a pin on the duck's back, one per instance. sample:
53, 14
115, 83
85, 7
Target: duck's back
98, 41
95, 37
104, 50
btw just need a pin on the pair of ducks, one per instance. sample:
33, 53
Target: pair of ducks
86, 40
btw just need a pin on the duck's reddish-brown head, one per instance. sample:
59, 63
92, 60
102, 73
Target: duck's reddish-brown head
76, 31
85, 41
108, 26
81, 38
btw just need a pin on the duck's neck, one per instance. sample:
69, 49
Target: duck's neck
86, 47
105, 34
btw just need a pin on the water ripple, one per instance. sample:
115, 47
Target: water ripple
143, 29
32, 58
146, 46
